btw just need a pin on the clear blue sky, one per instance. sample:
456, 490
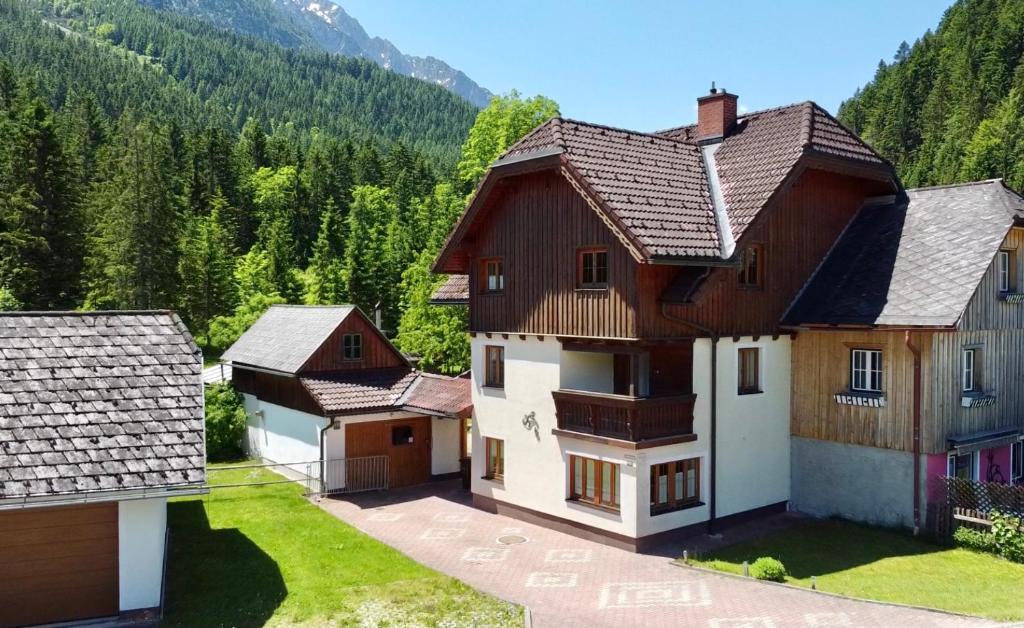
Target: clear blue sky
641, 64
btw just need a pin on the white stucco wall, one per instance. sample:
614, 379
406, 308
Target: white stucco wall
444, 446
594, 372
141, 529
283, 435
753, 430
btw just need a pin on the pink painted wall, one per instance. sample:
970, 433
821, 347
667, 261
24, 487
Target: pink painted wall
993, 460
936, 468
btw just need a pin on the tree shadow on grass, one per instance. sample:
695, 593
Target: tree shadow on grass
217, 577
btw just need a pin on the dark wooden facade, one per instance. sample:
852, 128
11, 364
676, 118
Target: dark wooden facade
377, 352
536, 223
280, 390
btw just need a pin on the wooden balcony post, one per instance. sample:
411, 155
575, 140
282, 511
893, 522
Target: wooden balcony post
592, 415
634, 425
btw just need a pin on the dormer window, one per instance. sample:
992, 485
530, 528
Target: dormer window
492, 273
352, 346
592, 269
751, 274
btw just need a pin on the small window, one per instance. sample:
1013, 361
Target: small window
1004, 271
592, 269
594, 482
866, 370
493, 274
751, 274
352, 346
1017, 462
749, 371
495, 459
401, 435
963, 466
494, 377
969, 375
675, 485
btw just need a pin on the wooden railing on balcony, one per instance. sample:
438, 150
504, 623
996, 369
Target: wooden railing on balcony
633, 419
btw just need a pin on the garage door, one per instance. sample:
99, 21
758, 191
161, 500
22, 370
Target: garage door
58, 564
406, 442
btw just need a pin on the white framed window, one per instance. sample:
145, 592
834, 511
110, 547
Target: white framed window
1017, 463
866, 370
963, 466
1003, 270
968, 381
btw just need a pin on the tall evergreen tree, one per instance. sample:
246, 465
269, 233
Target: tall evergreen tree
206, 268
326, 284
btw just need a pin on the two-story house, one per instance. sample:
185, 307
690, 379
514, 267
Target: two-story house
909, 361
631, 376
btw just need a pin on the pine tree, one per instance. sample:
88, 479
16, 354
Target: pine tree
365, 267
206, 268
326, 285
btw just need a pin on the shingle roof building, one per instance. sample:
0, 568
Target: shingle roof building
285, 337
914, 261
454, 291
96, 402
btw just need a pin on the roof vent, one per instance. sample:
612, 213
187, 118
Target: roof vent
716, 115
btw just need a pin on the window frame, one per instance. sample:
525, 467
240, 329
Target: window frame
672, 501
492, 379
969, 368
1004, 271
356, 346
409, 441
581, 268
746, 279
485, 275
1017, 463
951, 460
868, 370
597, 501
756, 388
495, 473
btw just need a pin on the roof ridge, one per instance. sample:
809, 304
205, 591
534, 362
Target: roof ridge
745, 116
807, 124
84, 312
608, 127
312, 306
965, 184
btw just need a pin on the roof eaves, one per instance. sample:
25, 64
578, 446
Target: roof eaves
527, 156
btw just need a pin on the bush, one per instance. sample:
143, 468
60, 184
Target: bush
976, 540
767, 568
225, 422
1008, 536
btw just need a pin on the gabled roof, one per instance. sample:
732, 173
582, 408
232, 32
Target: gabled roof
654, 189
454, 291
285, 337
96, 402
915, 261
401, 388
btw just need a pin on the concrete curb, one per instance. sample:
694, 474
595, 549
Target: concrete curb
795, 587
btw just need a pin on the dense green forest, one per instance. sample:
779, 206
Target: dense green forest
125, 190
950, 107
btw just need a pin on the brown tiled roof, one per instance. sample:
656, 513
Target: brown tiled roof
98, 401
454, 291
451, 396
914, 261
359, 389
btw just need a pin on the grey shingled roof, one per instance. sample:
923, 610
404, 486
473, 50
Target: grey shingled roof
286, 336
103, 401
916, 261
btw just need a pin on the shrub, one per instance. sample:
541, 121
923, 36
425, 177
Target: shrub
767, 568
972, 539
225, 422
1008, 536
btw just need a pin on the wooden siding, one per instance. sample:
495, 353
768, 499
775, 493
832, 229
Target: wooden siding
58, 564
1001, 373
409, 463
377, 352
796, 234
276, 389
985, 309
821, 368
536, 224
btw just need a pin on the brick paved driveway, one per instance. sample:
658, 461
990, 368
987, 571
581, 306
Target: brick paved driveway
566, 581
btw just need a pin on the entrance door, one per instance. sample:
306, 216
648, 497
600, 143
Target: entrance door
406, 442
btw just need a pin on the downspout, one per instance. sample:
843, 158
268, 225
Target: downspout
917, 429
712, 451
323, 463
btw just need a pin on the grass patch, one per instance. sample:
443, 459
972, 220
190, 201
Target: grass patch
886, 565
258, 556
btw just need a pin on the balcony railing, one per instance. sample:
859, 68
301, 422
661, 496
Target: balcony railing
621, 417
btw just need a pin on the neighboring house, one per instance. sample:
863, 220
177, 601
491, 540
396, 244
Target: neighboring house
322, 384
101, 421
925, 286
632, 375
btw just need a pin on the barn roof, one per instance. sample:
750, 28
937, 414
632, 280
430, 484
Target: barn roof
96, 402
914, 261
286, 336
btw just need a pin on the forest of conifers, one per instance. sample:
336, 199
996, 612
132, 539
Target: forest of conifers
150, 161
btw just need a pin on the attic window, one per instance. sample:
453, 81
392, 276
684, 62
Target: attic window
1004, 272
352, 347
592, 269
492, 275
751, 274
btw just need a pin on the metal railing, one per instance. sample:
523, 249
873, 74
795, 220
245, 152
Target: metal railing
318, 477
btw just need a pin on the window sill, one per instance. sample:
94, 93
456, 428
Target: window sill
860, 398
1012, 297
976, 400
592, 290
493, 387
499, 480
493, 293
664, 510
744, 393
600, 507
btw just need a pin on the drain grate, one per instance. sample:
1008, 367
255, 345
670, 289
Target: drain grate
511, 539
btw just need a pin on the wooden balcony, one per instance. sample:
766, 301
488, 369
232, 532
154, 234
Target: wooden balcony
635, 420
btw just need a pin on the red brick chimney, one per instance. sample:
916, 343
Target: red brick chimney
716, 115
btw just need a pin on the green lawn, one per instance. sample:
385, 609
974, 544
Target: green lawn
259, 556
885, 565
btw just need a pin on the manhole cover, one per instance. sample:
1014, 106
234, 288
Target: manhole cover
511, 539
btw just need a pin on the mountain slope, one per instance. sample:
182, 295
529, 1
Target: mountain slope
322, 25
133, 57
950, 108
